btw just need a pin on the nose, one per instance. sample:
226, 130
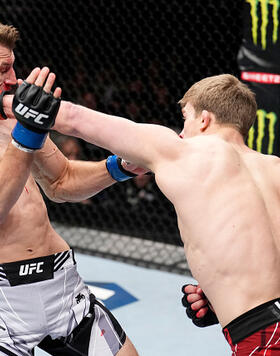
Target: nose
9, 80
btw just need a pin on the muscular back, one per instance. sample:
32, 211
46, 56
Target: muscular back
227, 201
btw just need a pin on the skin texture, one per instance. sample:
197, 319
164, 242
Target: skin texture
226, 197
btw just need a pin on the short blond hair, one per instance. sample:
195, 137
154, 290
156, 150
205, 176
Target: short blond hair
231, 101
8, 36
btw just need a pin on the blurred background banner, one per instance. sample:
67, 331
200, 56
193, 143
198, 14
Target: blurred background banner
136, 58
259, 64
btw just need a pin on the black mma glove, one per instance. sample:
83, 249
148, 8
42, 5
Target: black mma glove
35, 111
116, 170
209, 319
2, 94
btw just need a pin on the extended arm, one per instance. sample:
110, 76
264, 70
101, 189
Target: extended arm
63, 180
143, 144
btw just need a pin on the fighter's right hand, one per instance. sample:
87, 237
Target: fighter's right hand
197, 306
35, 109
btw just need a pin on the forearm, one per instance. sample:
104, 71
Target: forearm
65, 180
81, 180
14, 172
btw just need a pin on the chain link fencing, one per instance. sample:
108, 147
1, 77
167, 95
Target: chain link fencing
131, 58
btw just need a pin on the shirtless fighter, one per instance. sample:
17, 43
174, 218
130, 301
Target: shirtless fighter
227, 199
42, 297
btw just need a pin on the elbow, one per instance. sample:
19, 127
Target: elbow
52, 190
54, 198
54, 194
58, 191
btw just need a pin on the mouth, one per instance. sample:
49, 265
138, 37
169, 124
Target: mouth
7, 87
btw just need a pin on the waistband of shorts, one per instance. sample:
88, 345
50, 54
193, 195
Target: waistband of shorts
252, 321
35, 269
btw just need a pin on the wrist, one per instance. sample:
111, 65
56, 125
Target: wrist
27, 138
65, 122
21, 148
115, 169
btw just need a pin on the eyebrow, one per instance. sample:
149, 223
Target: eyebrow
7, 61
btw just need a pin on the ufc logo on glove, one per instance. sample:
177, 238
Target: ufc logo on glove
29, 113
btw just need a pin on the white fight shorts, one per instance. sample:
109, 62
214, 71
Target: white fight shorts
45, 303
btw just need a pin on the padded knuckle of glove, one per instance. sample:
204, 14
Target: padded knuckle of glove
22, 90
34, 108
209, 319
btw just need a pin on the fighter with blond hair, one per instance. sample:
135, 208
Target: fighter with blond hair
226, 197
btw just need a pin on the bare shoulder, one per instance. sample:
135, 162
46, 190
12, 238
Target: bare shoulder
271, 160
271, 164
165, 139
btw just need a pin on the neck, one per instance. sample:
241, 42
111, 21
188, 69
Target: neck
226, 133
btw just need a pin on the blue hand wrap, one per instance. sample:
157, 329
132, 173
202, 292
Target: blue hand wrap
27, 138
117, 172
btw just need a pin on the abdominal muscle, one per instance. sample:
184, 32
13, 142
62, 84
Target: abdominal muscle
27, 232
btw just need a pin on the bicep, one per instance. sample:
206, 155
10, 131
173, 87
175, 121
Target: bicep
145, 144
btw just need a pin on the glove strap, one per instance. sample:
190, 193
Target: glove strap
27, 138
116, 170
19, 147
2, 112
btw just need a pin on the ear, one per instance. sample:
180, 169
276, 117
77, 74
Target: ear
205, 120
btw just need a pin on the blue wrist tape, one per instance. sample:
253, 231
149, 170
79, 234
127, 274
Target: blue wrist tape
28, 138
115, 169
